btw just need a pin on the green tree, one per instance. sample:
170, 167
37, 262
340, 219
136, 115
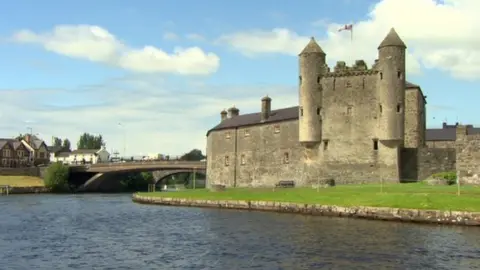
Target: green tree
57, 141
194, 155
20, 137
89, 141
56, 177
66, 144
136, 181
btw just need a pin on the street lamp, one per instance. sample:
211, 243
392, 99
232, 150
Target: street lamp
124, 139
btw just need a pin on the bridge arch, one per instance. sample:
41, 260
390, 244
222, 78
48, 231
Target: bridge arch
164, 175
95, 182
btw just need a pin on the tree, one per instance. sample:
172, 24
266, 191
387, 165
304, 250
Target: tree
20, 137
57, 142
194, 155
66, 144
89, 141
56, 177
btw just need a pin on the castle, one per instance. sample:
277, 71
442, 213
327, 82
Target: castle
353, 124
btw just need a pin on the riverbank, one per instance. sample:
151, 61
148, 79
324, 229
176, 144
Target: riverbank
19, 184
402, 202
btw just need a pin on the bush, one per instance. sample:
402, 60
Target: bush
450, 177
56, 177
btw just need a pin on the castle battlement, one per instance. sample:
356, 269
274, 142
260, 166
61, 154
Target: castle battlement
360, 68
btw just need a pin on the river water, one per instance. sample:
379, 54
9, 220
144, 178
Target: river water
110, 232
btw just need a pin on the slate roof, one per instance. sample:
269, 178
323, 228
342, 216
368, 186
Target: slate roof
392, 39
278, 115
13, 142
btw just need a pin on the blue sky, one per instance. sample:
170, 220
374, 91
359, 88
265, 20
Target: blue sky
165, 69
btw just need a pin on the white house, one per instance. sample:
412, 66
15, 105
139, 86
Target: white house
79, 156
89, 156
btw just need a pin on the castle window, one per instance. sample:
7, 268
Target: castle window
375, 144
348, 84
399, 108
247, 133
399, 74
363, 83
349, 110
380, 108
318, 110
334, 83
227, 135
318, 79
227, 161
325, 144
276, 129
381, 76
242, 159
286, 159
300, 79
301, 111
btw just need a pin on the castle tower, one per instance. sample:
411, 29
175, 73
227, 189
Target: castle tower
391, 88
312, 69
233, 111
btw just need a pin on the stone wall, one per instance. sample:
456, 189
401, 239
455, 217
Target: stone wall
379, 213
441, 144
468, 156
435, 160
27, 171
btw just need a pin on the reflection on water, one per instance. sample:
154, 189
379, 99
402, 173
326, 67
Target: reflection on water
111, 232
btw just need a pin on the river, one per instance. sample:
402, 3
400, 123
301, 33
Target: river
110, 232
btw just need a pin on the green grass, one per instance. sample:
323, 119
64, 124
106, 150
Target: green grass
21, 181
413, 196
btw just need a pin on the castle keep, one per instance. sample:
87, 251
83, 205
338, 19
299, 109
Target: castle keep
354, 124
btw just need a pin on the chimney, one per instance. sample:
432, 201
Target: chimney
266, 108
28, 138
223, 115
233, 111
444, 125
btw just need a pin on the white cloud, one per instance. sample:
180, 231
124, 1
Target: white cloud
441, 35
155, 120
97, 44
170, 36
195, 37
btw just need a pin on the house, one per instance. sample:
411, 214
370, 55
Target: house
58, 153
13, 153
38, 151
89, 156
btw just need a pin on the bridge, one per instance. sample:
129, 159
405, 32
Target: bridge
96, 174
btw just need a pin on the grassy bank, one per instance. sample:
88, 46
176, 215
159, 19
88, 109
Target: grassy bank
21, 181
413, 196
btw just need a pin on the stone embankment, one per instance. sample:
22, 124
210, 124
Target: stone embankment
25, 190
377, 213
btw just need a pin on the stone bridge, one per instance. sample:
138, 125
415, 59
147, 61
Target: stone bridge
102, 172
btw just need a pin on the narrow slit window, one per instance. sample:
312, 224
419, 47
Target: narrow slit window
380, 108
399, 107
286, 158
363, 83
325, 144
318, 110
242, 160
375, 144
227, 161
334, 83
349, 110
399, 74
318, 79
381, 76
301, 111
300, 79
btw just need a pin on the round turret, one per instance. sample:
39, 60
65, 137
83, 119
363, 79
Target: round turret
223, 115
233, 111
391, 88
312, 69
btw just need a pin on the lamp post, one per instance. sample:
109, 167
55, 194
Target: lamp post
124, 140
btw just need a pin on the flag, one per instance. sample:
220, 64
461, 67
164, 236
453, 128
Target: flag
346, 27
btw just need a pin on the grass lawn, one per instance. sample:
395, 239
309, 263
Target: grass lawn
413, 196
21, 181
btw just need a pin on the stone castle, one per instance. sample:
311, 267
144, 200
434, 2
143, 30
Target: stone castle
353, 124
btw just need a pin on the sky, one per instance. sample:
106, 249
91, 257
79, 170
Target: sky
152, 76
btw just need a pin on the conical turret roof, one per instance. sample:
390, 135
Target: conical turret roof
312, 47
392, 39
